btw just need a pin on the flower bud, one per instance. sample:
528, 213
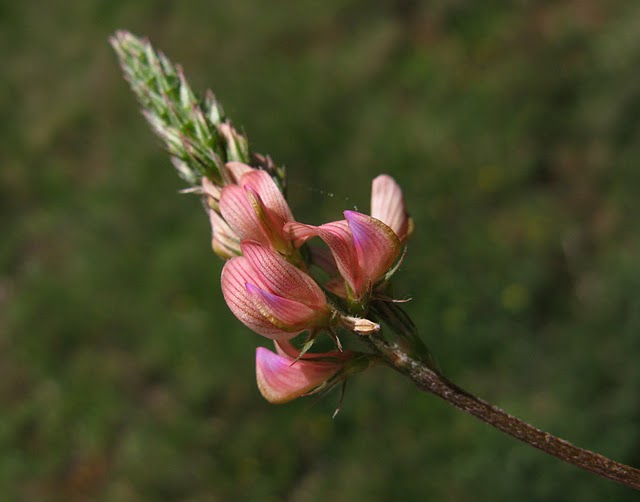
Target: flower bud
236, 144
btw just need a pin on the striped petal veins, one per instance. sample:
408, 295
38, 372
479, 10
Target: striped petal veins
271, 296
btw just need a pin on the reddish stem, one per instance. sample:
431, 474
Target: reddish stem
430, 381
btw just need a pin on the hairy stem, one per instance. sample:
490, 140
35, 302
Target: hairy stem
429, 380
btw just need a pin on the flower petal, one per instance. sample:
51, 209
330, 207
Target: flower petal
299, 233
288, 315
255, 209
237, 169
377, 246
286, 349
279, 381
338, 237
236, 273
271, 196
388, 206
281, 277
240, 214
271, 296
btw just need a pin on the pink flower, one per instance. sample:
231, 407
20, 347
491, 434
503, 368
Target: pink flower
388, 206
255, 208
363, 247
281, 378
271, 296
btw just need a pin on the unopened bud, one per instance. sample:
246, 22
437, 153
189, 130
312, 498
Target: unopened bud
237, 146
211, 190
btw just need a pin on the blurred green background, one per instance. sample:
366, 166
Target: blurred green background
514, 128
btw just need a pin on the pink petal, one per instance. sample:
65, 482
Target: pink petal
388, 206
279, 381
240, 214
338, 237
272, 198
281, 278
270, 223
236, 273
271, 296
299, 233
377, 246
288, 315
237, 169
285, 348
255, 209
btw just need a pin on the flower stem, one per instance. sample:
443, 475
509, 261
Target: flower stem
429, 380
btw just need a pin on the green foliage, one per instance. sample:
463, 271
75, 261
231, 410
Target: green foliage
516, 134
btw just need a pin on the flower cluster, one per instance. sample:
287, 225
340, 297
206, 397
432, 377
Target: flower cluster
268, 286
